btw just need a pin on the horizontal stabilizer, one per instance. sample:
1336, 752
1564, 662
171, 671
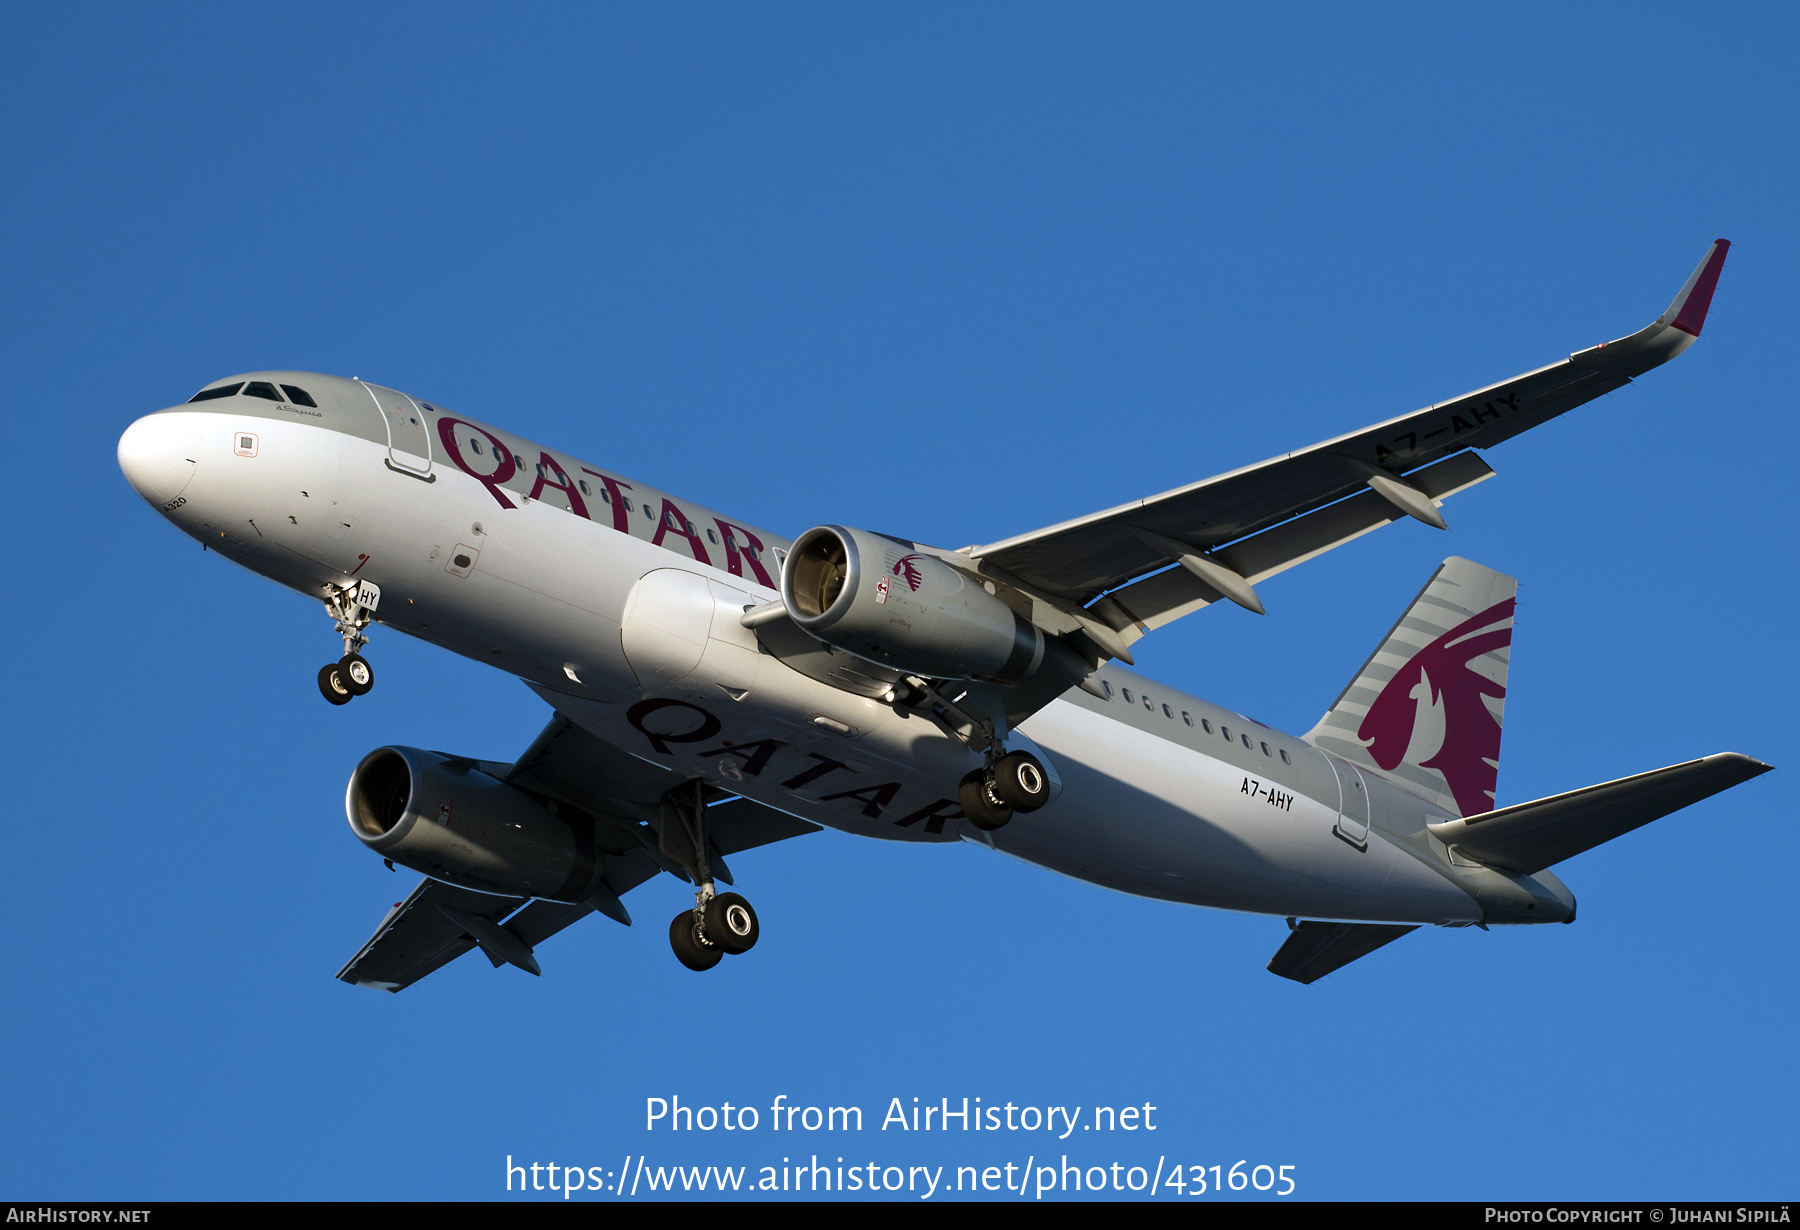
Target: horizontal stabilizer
1532, 836
1315, 949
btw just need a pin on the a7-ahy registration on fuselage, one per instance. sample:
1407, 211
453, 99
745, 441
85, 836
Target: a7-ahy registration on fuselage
718, 686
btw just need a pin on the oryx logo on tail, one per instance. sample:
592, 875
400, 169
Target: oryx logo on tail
1435, 713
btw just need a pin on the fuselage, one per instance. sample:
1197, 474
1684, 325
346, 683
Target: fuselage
619, 603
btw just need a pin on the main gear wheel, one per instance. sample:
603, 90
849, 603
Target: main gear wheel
691, 946
985, 809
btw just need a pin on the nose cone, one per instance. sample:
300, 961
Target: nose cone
159, 454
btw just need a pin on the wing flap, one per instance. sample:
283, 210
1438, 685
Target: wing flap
417, 937
1315, 949
540, 920
1167, 596
1532, 836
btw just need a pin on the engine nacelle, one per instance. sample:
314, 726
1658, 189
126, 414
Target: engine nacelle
443, 816
879, 599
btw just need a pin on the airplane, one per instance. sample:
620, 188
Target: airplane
717, 686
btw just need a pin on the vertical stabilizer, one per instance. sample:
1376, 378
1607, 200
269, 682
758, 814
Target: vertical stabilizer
1426, 707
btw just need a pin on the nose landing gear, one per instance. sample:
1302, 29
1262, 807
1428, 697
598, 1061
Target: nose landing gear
720, 924
332, 687
352, 607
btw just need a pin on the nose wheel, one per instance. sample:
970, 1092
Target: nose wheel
332, 687
357, 674
352, 608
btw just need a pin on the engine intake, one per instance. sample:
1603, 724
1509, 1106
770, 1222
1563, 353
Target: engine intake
878, 598
446, 818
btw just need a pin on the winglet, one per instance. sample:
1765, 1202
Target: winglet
1688, 312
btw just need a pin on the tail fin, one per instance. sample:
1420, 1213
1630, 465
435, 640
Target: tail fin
1426, 707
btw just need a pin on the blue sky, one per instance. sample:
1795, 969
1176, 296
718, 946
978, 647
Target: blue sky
951, 272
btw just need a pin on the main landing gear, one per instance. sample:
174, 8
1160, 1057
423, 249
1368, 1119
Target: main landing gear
720, 924
353, 608
1014, 782
1007, 782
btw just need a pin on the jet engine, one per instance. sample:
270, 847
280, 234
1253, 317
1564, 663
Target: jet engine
444, 816
879, 599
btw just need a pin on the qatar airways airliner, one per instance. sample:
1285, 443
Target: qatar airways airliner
717, 685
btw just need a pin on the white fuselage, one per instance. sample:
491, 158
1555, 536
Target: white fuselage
628, 623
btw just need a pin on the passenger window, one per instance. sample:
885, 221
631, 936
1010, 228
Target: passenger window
1284, 757
476, 445
1206, 726
629, 506
712, 537
1107, 688
1226, 731
299, 396
224, 390
753, 553
520, 462
582, 483
1187, 717
1266, 750
1246, 739
1148, 705
649, 513
1128, 696
263, 389
1168, 712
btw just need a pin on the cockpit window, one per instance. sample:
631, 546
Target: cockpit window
261, 388
224, 390
299, 396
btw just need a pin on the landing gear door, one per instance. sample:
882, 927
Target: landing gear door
1353, 805
409, 435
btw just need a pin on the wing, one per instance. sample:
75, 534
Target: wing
568, 763
417, 936
1233, 530
621, 796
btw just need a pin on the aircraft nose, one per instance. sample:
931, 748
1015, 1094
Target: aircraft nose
159, 454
